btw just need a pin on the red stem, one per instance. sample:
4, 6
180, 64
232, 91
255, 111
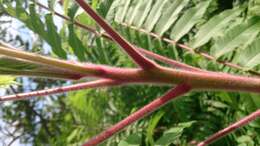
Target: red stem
230, 128
151, 107
93, 84
163, 75
130, 49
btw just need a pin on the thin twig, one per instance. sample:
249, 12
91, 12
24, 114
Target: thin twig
13, 140
171, 62
151, 107
93, 84
230, 128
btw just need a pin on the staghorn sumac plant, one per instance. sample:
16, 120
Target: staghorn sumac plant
182, 77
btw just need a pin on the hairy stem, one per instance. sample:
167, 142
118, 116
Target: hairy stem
129, 48
161, 75
230, 128
146, 110
92, 84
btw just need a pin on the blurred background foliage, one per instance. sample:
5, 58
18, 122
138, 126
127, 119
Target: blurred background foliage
228, 30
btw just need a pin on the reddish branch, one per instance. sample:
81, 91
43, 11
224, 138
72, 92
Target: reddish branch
151, 107
158, 75
93, 84
230, 128
129, 48
171, 62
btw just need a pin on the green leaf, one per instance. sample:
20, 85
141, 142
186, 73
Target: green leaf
77, 46
18, 12
66, 6
239, 36
72, 11
37, 24
256, 100
188, 20
53, 37
89, 106
142, 12
85, 19
18, 67
122, 10
133, 10
14, 64
103, 7
152, 124
33, 21
155, 14
249, 57
213, 27
172, 134
6, 81
51, 4
169, 15
245, 140
112, 10
132, 140
74, 134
